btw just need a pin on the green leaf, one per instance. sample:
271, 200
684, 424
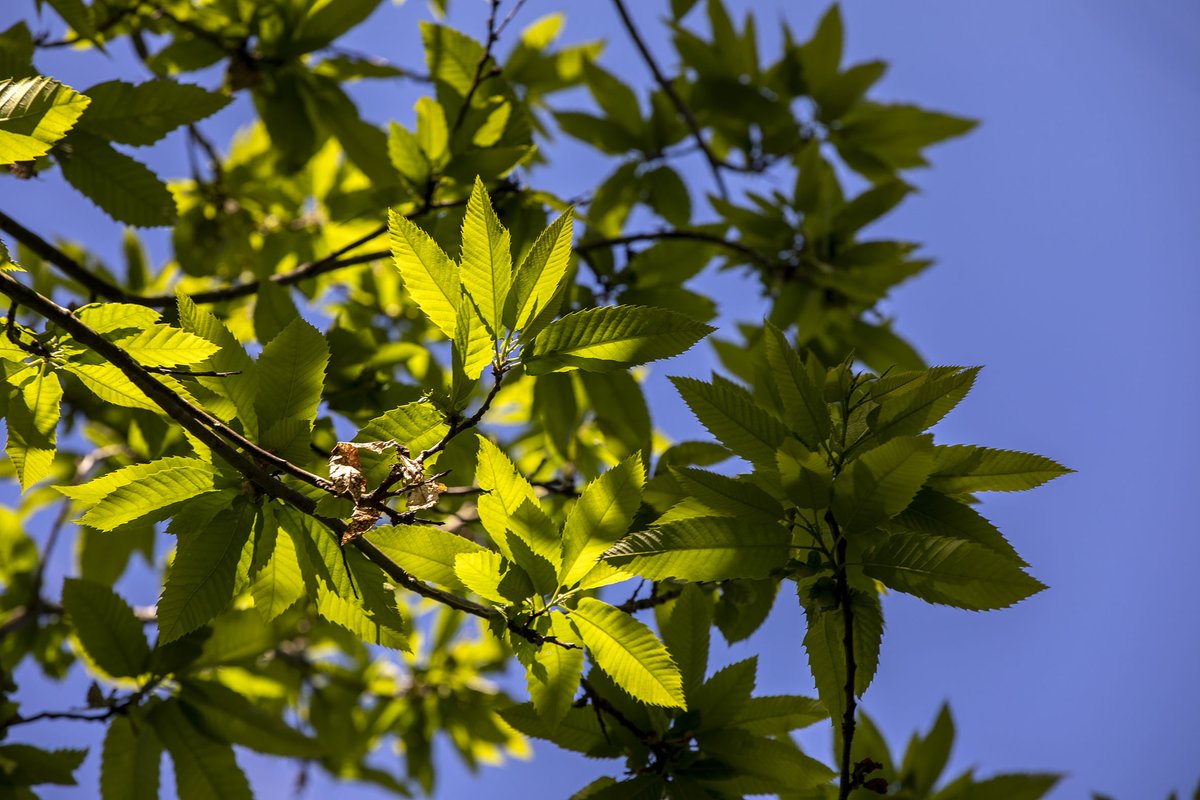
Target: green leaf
935, 513
600, 517
778, 715
486, 259
431, 278
452, 56
1014, 786
106, 627
506, 490
141, 114
279, 583
950, 571
122, 187
200, 582
33, 414
541, 273
131, 761
962, 469
804, 408
474, 347
914, 411
686, 627
136, 491
730, 413
579, 730
324, 22
352, 616
881, 483
731, 497
629, 653
425, 552
35, 113
611, 337
482, 572
406, 154
25, 765
239, 389
164, 346
536, 545
553, 675
761, 765
926, 757
806, 476
205, 768
414, 425
291, 376
825, 642
821, 56
223, 713
703, 549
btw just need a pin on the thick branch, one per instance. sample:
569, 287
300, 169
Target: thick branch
845, 599
714, 163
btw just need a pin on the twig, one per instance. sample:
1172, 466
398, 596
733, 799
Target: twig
714, 163
457, 426
648, 738
656, 598
676, 234
199, 423
492, 35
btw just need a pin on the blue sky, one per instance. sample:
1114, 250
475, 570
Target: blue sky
1065, 230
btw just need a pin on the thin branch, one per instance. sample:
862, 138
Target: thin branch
457, 426
221, 440
845, 599
685, 235
656, 598
100, 288
714, 163
493, 33
648, 738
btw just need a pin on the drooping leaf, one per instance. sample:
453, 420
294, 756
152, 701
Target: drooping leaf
110, 634
761, 765
141, 114
686, 627
611, 337
431, 278
951, 571
778, 715
825, 642
123, 187
935, 513
222, 712
205, 768
600, 517
26, 765
35, 113
358, 620
279, 583
200, 582
131, 761
553, 676
703, 549
962, 469
629, 653
33, 414
142, 489
486, 259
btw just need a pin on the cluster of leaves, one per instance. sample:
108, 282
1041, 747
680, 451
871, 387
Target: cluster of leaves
479, 395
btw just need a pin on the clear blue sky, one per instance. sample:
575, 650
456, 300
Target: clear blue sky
1066, 230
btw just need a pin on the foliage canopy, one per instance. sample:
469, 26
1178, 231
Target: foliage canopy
372, 478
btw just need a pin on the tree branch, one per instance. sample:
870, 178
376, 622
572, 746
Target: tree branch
197, 422
842, 588
675, 234
714, 163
